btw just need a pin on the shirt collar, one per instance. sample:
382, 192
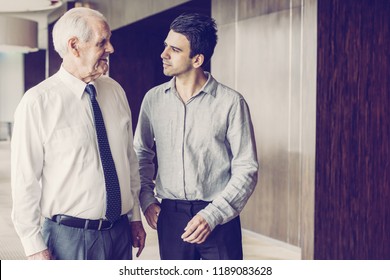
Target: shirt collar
209, 87
76, 86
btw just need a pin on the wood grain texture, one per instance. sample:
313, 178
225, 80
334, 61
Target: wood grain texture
352, 146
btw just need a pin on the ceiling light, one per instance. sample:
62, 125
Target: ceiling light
18, 35
16, 6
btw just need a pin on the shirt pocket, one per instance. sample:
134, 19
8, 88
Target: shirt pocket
69, 145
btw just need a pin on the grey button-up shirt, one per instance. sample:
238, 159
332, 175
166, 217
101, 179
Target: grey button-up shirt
205, 149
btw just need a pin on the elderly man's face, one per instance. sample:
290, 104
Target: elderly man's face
93, 59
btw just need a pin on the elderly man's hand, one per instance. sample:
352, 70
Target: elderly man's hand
138, 235
43, 255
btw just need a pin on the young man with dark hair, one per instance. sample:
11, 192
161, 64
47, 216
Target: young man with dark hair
207, 163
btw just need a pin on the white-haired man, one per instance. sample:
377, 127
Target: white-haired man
72, 157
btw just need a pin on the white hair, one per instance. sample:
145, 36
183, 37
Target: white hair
74, 23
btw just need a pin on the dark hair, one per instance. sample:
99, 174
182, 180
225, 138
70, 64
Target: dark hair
201, 32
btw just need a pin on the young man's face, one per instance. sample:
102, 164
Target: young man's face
94, 54
176, 55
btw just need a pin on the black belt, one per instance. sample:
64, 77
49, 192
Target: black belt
186, 206
173, 202
82, 223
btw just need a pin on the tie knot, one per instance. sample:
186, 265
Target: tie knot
90, 89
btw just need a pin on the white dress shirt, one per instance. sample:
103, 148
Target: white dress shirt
55, 162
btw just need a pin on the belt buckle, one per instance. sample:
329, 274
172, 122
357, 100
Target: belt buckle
101, 224
110, 227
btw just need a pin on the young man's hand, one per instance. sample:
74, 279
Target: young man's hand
196, 231
151, 215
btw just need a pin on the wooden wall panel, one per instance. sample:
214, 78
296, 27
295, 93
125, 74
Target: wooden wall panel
265, 76
308, 137
353, 128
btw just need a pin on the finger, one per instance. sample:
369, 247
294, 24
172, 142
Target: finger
152, 218
141, 247
189, 229
196, 232
155, 219
194, 236
151, 222
188, 232
136, 243
189, 225
199, 235
202, 238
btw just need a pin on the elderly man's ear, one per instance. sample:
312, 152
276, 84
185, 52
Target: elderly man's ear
73, 46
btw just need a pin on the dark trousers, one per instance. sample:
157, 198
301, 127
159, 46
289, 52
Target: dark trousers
224, 242
68, 243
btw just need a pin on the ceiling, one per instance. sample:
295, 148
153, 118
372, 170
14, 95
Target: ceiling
16, 6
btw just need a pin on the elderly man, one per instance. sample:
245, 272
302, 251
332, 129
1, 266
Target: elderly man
72, 157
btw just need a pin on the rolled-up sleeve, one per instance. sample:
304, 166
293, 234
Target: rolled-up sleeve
244, 168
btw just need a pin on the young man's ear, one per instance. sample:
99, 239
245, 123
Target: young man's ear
73, 46
198, 60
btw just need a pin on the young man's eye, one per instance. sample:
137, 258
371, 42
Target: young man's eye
174, 49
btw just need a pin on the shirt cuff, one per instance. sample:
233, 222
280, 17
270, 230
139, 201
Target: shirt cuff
33, 244
146, 200
212, 218
135, 213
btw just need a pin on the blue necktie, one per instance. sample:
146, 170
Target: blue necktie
114, 206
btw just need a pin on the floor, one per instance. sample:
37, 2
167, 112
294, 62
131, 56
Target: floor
256, 247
